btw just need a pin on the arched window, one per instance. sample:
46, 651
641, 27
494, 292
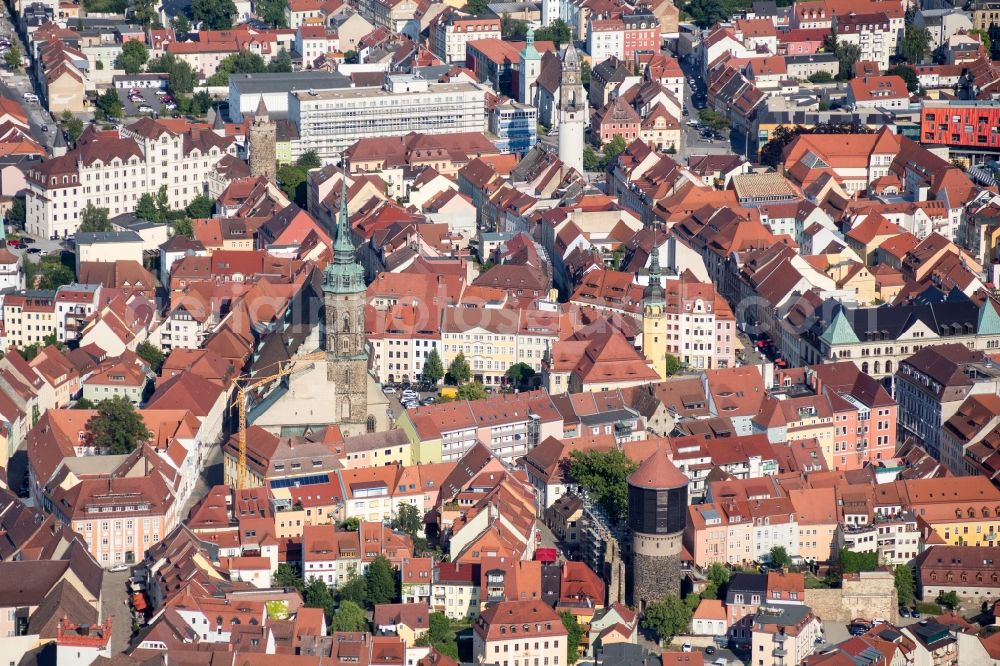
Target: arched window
876, 367
370, 424
864, 367
888, 367
347, 324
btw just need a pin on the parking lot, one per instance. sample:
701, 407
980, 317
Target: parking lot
148, 98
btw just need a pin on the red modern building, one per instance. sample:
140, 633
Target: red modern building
961, 124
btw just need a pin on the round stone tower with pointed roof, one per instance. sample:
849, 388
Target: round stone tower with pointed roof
262, 139
657, 513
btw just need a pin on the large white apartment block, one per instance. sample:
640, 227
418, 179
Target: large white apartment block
330, 121
113, 169
451, 30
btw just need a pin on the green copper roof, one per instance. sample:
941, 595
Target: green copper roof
653, 294
839, 332
989, 319
529, 52
343, 274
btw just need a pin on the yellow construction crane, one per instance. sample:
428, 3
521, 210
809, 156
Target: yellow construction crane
246, 385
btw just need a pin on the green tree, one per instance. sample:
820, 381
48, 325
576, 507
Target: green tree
557, 32
707, 13
117, 427
152, 355
200, 207
984, 39
272, 12
281, 64
109, 105
349, 617
779, 557
83, 403
408, 520
673, 364
381, 579
16, 214
471, 391
180, 23
433, 369
949, 599
908, 75
213, 14
714, 120
134, 56
585, 71
95, 219
71, 124
614, 148
13, 57
848, 55
477, 7
591, 160
144, 12
352, 524
440, 635
604, 475
905, 588
286, 576
520, 374
146, 208
512, 29
458, 370
243, 62
182, 227
315, 594
179, 72
575, 636
821, 77
668, 617
852, 562
354, 589
309, 160
49, 273
718, 579
916, 44
292, 179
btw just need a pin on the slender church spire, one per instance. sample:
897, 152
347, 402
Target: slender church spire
653, 293
343, 248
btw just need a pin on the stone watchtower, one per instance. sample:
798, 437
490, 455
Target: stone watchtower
657, 513
262, 140
573, 114
344, 308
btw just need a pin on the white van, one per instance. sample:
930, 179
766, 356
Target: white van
30, 97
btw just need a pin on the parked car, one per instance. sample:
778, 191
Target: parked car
389, 390
710, 649
904, 611
686, 647
27, 240
145, 108
118, 567
34, 250
915, 614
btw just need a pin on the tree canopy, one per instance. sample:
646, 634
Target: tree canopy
272, 12
779, 557
905, 588
315, 594
117, 427
668, 617
575, 636
381, 579
916, 44
151, 354
349, 617
520, 373
94, 219
48, 273
109, 104
471, 391
201, 207
214, 14
908, 75
355, 589
557, 32
408, 520
179, 72
286, 576
604, 475
134, 56
458, 369
440, 635
433, 369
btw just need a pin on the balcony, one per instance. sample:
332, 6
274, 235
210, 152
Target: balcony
780, 653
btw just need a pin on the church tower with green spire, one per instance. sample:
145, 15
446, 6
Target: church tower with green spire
654, 302
344, 307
